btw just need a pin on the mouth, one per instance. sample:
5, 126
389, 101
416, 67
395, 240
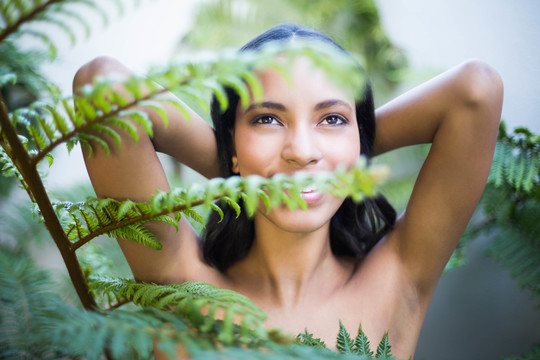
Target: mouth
310, 194
309, 189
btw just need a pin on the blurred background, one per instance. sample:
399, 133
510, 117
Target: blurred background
478, 311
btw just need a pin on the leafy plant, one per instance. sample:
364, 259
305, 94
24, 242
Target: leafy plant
510, 206
29, 135
126, 316
360, 347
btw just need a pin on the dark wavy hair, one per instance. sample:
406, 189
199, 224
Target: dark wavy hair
354, 229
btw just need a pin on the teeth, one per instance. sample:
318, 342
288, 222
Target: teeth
309, 188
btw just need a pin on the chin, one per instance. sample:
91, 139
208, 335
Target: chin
299, 220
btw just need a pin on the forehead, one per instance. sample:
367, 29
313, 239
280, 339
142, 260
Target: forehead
302, 80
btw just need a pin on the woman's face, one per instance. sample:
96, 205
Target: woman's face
309, 125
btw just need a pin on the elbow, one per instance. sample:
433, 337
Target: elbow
482, 87
100, 66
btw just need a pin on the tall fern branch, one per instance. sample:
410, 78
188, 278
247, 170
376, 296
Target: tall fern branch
21, 159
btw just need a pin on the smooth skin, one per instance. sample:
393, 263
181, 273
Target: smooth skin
290, 272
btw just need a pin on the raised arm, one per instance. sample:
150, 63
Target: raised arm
458, 112
133, 171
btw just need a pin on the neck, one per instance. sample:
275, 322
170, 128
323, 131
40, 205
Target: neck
287, 266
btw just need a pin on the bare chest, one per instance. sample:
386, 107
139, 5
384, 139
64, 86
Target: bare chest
375, 312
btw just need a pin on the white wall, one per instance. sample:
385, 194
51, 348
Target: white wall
442, 33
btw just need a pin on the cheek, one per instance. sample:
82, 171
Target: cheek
344, 149
254, 153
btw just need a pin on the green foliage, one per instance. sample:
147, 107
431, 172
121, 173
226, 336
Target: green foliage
36, 323
354, 24
517, 161
25, 301
83, 221
306, 338
344, 342
361, 345
510, 206
198, 303
533, 354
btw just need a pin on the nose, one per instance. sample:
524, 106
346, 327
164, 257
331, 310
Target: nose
301, 147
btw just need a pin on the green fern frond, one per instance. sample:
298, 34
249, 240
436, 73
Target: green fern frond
198, 303
122, 334
307, 339
53, 19
194, 215
384, 350
25, 303
35, 324
79, 19
362, 345
359, 181
138, 233
516, 161
344, 344
516, 245
86, 220
8, 169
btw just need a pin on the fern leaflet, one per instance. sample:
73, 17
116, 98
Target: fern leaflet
361, 344
344, 342
384, 349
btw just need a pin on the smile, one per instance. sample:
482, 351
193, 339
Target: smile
310, 194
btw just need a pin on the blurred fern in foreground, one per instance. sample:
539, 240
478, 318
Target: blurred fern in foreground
36, 323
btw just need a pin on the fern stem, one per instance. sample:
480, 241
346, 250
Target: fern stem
43, 152
26, 18
22, 161
140, 218
119, 304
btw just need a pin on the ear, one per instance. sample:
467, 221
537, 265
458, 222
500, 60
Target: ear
235, 165
234, 158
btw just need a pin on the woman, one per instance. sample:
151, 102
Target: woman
291, 268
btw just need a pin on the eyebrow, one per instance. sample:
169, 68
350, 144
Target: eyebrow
267, 105
330, 103
278, 106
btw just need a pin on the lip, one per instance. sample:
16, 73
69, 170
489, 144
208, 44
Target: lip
310, 194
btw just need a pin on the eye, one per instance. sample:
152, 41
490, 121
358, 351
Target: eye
266, 120
334, 120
